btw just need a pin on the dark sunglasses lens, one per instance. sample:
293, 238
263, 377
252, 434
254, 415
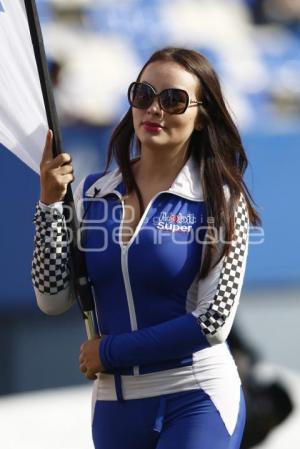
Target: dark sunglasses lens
174, 101
140, 95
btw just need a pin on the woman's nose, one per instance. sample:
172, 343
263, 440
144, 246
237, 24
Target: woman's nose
155, 108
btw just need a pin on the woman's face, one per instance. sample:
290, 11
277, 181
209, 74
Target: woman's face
172, 132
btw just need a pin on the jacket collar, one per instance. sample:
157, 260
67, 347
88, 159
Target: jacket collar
105, 185
187, 183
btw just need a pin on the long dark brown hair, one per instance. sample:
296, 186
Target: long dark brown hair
217, 148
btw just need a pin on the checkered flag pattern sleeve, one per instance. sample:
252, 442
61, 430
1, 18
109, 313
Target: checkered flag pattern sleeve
50, 271
228, 284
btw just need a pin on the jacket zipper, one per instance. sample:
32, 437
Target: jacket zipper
124, 262
124, 265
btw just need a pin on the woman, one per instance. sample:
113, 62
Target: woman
165, 237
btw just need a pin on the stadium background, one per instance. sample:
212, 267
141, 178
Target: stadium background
95, 49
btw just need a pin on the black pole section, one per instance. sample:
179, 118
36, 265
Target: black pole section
81, 282
42, 66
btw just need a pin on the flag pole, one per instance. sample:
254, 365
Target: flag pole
82, 285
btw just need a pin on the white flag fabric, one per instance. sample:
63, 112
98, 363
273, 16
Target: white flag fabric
23, 122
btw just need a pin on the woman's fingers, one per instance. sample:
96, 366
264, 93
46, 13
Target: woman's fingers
83, 368
47, 157
56, 173
66, 179
47, 153
60, 160
65, 169
88, 357
47, 161
90, 376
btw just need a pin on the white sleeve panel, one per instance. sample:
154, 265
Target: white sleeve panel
218, 294
55, 304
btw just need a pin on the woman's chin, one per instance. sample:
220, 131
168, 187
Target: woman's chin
153, 142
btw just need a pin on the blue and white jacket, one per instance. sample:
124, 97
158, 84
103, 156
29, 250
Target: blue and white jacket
166, 328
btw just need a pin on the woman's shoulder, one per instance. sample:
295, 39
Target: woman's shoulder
240, 197
95, 185
98, 184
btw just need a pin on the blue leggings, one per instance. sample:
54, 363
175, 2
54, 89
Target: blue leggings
185, 420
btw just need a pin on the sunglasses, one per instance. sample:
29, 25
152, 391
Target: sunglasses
173, 101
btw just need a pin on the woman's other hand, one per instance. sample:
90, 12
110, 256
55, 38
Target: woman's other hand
89, 358
56, 173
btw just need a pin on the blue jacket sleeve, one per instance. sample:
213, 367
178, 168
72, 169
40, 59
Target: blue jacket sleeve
172, 339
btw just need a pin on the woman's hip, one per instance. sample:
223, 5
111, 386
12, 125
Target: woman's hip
188, 419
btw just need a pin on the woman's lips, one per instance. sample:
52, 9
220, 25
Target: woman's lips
152, 127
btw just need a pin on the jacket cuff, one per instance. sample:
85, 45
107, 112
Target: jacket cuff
50, 207
103, 349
